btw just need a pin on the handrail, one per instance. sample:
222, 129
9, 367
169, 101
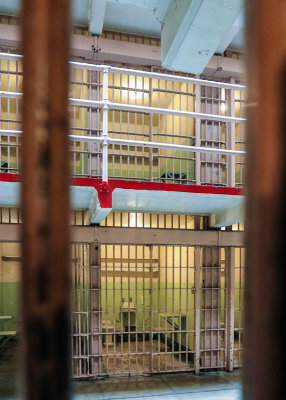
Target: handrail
141, 143
140, 73
137, 108
107, 105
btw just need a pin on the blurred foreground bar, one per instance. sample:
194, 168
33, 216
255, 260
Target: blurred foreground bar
265, 301
45, 200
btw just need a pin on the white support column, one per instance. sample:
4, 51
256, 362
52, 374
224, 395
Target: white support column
230, 138
229, 322
95, 308
198, 133
105, 126
197, 341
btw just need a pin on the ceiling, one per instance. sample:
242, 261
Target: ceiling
191, 31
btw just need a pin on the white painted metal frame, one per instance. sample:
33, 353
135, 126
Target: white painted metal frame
105, 105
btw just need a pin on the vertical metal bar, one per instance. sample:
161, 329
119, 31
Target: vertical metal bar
159, 308
166, 306
230, 139
95, 308
265, 209
136, 307
173, 305
151, 306
180, 306
143, 310
45, 200
198, 134
93, 148
105, 126
229, 322
197, 309
150, 131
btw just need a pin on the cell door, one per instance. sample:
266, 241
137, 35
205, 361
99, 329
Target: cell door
86, 311
147, 309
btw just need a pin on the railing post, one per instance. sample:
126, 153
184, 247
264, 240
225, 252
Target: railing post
230, 138
105, 126
198, 134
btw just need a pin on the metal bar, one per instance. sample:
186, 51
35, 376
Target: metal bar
169, 146
229, 322
135, 72
45, 200
264, 374
211, 307
72, 101
105, 126
197, 342
163, 111
198, 135
230, 138
95, 309
151, 307
141, 143
105, 104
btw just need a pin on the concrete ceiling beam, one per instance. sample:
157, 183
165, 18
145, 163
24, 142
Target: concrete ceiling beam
126, 52
151, 4
161, 9
228, 216
237, 27
97, 10
193, 30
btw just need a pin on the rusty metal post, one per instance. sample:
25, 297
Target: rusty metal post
45, 200
265, 354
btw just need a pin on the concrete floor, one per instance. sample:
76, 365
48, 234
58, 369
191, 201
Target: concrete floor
207, 386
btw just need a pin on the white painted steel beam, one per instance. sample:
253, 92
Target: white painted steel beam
143, 236
96, 15
96, 212
193, 30
228, 216
161, 9
236, 27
